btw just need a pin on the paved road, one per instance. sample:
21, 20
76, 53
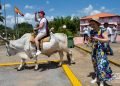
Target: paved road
83, 69
51, 75
79, 40
48, 75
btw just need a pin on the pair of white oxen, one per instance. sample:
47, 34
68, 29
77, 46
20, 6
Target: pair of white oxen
57, 43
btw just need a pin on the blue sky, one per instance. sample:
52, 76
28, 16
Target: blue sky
55, 8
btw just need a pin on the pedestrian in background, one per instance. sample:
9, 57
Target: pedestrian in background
114, 29
107, 45
111, 26
86, 34
109, 30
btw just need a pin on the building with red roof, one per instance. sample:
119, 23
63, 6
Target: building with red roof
103, 17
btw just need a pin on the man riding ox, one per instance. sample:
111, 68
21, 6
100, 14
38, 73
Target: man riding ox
27, 50
42, 30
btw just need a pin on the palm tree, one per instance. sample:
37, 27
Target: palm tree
1, 18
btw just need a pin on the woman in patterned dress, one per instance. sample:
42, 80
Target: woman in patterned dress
99, 58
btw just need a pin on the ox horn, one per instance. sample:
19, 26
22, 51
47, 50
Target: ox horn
4, 39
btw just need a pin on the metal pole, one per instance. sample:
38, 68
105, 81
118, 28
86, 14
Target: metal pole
5, 20
15, 27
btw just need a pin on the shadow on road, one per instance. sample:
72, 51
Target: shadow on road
47, 66
44, 66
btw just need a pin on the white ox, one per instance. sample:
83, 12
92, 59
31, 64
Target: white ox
57, 43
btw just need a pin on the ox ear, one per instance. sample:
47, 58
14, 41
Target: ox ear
4, 39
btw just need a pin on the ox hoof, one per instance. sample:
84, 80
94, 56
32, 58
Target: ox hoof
36, 68
19, 69
72, 62
60, 64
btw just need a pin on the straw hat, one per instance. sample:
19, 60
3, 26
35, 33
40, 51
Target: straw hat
95, 19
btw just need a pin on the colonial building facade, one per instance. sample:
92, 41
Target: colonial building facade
103, 17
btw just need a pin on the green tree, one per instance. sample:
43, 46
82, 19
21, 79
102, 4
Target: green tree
72, 24
10, 31
23, 28
1, 17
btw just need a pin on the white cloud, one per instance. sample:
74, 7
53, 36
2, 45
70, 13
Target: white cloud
47, 2
28, 17
72, 16
95, 12
90, 10
102, 8
9, 17
50, 18
28, 7
10, 20
6, 6
52, 9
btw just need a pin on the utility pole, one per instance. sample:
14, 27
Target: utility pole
17, 27
16, 23
5, 20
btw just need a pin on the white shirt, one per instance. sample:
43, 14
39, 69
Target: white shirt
109, 31
114, 29
43, 20
86, 31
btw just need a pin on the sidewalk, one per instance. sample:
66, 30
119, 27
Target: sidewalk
115, 59
79, 40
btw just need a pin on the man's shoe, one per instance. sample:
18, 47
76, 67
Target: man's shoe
38, 52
